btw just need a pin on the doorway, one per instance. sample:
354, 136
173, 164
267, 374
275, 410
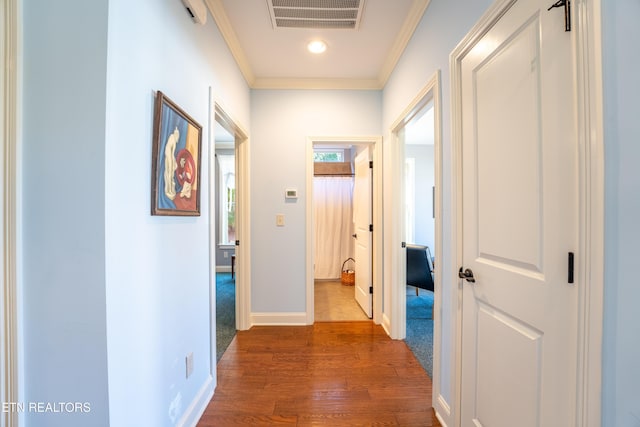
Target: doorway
419, 232
229, 237
352, 146
340, 259
426, 107
225, 225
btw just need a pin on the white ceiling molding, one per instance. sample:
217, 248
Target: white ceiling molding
324, 84
222, 21
418, 8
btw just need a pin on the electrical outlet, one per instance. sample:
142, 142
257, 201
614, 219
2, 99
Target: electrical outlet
280, 220
189, 364
226, 254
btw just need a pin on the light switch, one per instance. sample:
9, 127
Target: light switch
280, 220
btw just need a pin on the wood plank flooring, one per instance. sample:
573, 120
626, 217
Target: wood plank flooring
328, 374
334, 301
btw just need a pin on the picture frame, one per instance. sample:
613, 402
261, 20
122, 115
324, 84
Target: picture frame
175, 159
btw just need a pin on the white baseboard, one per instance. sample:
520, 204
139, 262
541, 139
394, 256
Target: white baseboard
278, 319
386, 324
440, 419
441, 406
194, 412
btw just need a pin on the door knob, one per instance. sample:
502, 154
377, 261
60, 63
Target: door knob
467, 275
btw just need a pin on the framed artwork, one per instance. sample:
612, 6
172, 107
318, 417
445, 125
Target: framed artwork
175, 171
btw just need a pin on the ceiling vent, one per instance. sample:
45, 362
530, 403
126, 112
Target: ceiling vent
320, 14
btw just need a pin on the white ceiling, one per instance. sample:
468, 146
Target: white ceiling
355, 59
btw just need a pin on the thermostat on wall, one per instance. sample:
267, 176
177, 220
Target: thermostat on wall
291, 193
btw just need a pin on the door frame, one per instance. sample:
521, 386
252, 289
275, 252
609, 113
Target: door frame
398, 298
375, 144
431, 92
10, 353
590, 271
219, 117
243, 216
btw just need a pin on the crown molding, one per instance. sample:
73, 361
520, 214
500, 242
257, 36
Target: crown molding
418, 7
322, 84
226, 29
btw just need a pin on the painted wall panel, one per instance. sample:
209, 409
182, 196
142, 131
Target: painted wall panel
63, 235
281, 123
157, 268
621, 347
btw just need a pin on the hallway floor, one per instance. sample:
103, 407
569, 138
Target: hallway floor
336, 302
328, 374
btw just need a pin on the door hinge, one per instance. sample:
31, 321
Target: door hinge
403, 244
370, 227
567, 12
370, 164
570, 265
370, 289
237, 242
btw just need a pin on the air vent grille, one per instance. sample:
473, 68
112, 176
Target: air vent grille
323, 14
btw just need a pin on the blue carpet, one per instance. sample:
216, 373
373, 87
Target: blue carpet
225, 312
420, 328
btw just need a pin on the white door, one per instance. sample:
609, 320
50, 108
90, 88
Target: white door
362, 215
519, 218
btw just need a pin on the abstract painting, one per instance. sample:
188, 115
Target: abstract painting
177, 143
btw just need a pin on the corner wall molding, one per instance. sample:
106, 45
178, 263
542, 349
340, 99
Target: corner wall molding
9, 368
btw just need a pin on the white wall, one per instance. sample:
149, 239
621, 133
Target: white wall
424, 223
114, 298
281, 122
63, 276
158, 267
621, 350
443, 26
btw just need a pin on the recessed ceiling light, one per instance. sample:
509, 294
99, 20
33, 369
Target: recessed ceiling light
317, 46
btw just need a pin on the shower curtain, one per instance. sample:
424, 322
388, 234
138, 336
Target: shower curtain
333, 200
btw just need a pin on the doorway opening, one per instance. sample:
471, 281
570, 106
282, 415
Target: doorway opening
366, 263
230, 240
334, 204
225, 248
416, 294
419, 233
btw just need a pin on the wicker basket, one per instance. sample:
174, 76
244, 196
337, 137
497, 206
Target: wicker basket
348, 276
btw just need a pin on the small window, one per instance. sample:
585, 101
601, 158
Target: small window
227, 205
328, 155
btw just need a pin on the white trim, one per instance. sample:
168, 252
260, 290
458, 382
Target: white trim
375, 142
218, 117
243, 217
231, 39
9, 354
323, 84
431, 92
279, 319
591, 168
418, 7
440, 419
386, 323
199, 404
588, 35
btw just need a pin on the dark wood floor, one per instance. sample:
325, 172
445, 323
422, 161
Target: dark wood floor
328, 374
